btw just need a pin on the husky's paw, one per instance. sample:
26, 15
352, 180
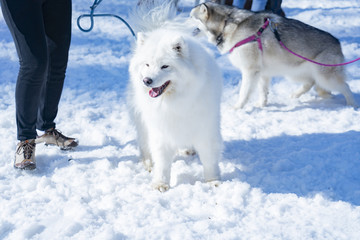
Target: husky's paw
325, 95
295, 95
355, 106
214, 183
148, 164
161, 186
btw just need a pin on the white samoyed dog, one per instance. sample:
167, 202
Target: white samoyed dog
174, 97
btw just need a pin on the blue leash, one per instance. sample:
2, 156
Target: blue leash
92, 15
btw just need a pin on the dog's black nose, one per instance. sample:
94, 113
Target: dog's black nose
147, 81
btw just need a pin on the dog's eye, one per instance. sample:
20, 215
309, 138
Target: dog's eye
147, 65
164, 66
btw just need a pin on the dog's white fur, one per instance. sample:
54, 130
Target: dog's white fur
186, 114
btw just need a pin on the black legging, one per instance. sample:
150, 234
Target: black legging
41, 30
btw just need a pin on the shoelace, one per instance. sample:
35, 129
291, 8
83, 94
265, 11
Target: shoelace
28, 149
57, 134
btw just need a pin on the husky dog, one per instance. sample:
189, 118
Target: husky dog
225, 26
174, 98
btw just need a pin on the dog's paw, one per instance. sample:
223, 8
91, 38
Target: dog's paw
355, 106
295, 95
187, 152
160, 186
325, 95
214, 183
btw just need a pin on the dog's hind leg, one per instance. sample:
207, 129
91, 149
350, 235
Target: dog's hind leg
336, 83
322, 92
334, 80
264, 91
249, 80
345, 90
309, 83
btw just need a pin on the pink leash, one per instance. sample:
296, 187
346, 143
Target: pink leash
256, 37
309, 60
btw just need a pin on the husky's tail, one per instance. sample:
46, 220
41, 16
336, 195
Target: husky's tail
152, 14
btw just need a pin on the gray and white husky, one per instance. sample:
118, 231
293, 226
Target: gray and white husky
225, 26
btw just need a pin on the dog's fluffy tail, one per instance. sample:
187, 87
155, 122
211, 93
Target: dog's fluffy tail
152, 14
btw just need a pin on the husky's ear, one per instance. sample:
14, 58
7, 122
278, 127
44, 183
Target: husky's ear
201, 12
140, 38
179, 46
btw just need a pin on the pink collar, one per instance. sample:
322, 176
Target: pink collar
255, 37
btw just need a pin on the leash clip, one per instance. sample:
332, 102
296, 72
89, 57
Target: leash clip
271, 25
274, 30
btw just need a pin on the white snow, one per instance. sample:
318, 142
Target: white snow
290, 170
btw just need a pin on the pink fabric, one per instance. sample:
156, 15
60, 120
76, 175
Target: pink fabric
253, 38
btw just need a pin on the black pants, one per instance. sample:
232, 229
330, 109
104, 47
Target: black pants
41, 30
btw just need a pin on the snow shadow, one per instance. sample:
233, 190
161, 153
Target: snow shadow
305, 165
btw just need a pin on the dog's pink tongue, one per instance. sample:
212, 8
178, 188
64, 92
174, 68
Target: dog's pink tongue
154, 92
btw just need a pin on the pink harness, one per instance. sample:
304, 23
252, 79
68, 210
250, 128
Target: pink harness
255, 37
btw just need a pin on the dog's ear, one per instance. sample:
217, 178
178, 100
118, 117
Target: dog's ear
179, 46
204, 12
140, 38
200, 12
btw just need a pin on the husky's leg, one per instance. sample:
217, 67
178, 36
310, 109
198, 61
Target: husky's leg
342, 87
308, 84
322, 92
163, 157
335, 81
264, 91
248, 82
345, 90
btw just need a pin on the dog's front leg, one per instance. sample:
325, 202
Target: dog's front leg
264, 91
162, 157
305, 87
210, 154
249, 79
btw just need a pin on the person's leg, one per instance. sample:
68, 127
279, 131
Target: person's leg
247, 4
57, 21
276, 7
239, 3
258, 5
25, 21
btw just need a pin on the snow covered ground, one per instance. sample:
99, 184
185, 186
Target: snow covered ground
290, 170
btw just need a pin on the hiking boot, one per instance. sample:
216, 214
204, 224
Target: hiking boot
25, 155
55, 137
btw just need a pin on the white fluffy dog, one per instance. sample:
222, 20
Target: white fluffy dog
174, 96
